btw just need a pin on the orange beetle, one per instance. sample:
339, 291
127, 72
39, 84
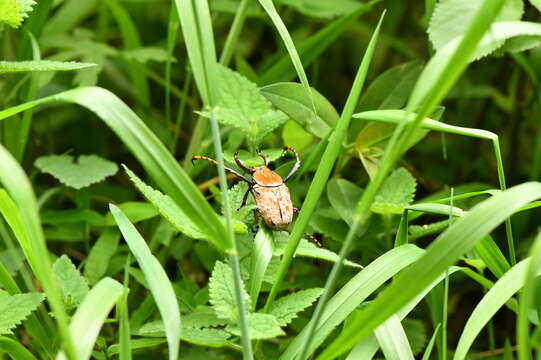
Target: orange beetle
268, 188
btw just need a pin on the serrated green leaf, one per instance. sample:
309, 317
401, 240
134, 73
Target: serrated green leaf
451, 18
396, 193
72, 284
15, 308
13, 12
88, 169
242, 107
222, 292
41, 65
167, 207
261, 326
287, 307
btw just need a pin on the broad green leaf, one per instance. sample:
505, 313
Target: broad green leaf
157, 280
73, 286
222, 292
167, 207
296, 136
445, 250
510, 283
391, 89
343, 195
396, 193
100, 255
259, 260
291, 98
286, 308
13, 12
15, 349
88, 170
492, 256
323, 8
262, 326
451, 18
251, 159
91, 314
393, 340
40, 65
242, 107
15, 308
12, 259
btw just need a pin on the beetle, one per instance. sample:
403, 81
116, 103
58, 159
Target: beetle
270, 191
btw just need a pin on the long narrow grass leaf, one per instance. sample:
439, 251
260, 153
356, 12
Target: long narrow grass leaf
156, 278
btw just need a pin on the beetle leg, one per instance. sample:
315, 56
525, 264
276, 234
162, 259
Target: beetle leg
256, 221
245, 198
314, 240
297, 162
239, 162
200, 157
264, 157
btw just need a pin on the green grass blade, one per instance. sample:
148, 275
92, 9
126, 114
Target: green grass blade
17, 185
494, 299
130, 39
14, 349
430, 346
348, 298
324, 169
260, 259
268, 5
320, 180
445, 250
393, 340
310, 49
365, 350
157, 280
90, 316
124, 317
147, 148
526, 300
234, 32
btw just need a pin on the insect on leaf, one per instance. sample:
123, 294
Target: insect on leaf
72, 284
88, 169
287, 308
15, 308
396, 193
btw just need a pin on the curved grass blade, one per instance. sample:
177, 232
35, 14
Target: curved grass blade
261, 257
393, 340
15, 349
445, 250
147, 148
19, 188
325, 166
157, 280
526, 299
268, 5
91, 314
430, 346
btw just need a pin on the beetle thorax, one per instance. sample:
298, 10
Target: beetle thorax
266, 177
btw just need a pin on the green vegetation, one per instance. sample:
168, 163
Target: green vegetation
418, 126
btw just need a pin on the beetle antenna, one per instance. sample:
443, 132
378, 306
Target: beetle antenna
264, 157
200, 157
239, 162
297, 162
